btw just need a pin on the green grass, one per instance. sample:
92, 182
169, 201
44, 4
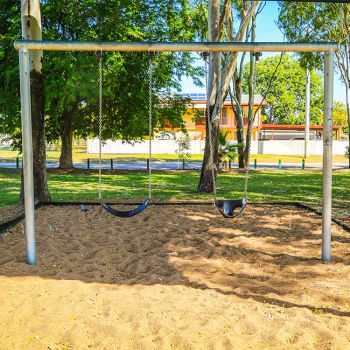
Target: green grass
274, 186
261, 158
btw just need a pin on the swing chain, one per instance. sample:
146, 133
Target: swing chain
100, 128
150, 76
210, 126
249, 134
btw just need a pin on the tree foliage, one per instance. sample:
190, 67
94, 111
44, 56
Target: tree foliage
320, 21
339, 115
71, 78
10, 30
286, 95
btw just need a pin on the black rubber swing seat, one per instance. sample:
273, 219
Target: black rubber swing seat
127, 213
231, 208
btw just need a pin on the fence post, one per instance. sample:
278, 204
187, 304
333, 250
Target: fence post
303, 164
147, 164
88, 163
111, 163
254, 163
17, 163
229, 165
183, 164
279, 164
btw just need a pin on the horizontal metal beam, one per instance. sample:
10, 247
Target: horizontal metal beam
170, 46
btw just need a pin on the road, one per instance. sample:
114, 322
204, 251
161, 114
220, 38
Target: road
169, 165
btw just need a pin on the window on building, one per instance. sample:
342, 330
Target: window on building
224, 117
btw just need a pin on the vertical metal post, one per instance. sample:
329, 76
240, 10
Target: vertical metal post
88, 163
17, 162
111, 163
327, 155
279, 164
303, 164
28, 177
255, 163
307, 114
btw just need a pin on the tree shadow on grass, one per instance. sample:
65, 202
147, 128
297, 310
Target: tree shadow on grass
270, 254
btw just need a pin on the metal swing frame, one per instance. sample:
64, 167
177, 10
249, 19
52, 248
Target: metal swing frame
25, 48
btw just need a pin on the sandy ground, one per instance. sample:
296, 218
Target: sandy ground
175, 278
9, 213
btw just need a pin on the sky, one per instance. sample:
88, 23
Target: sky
267, 30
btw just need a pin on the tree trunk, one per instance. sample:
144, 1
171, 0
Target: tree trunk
31, 30
251, 84
41, 191
66, 134
217, 88
240, 124
207, 182
348, 114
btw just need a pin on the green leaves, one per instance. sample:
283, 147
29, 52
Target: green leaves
287, 94
71, 78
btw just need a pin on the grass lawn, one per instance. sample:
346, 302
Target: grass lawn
291, 185
261, 158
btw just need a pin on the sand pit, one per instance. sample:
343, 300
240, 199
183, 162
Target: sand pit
9, 213
175, 278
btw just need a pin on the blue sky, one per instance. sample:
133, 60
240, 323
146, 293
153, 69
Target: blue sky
267, 30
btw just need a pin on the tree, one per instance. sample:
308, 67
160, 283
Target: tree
10, 29
220, 24
31, 30
236, 95
10, 116
236, 103
321, 22
125, 76
286, 94
71, 78
339, 115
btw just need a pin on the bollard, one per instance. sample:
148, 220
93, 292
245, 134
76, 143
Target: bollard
17, 163
88, 163
279, 164
303, 164
255, 164
229, 165
111, 164
147, 164
183, 164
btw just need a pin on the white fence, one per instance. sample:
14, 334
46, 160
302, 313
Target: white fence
297, 147
158, 147
197, 147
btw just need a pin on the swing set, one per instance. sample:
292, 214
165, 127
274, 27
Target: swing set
226, 207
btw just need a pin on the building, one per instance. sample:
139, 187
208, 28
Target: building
294, 132
196, 126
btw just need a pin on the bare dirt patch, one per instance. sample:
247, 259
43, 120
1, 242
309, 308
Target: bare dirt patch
175, 277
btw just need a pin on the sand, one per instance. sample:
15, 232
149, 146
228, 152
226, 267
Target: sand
175, 278
10, 213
